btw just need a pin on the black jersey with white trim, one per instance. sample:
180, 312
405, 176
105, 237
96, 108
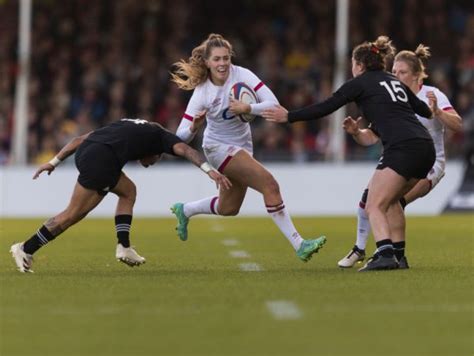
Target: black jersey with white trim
133, 139
383, 100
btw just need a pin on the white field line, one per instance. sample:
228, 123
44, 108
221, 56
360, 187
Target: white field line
284, 310
230, 242
239, 254
402, 308
250, 267
217, 228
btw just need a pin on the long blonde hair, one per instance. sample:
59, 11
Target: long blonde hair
189, 74
415, 60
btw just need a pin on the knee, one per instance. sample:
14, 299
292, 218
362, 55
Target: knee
228, 211
375, 207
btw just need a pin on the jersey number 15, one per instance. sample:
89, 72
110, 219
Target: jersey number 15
395, 91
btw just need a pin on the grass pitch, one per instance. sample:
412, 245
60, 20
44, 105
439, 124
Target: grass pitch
192, 298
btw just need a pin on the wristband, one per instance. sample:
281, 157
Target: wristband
55, 161
206, 167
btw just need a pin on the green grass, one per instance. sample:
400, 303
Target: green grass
190, 298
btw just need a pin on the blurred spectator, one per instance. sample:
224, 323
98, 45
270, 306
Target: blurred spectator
88, 68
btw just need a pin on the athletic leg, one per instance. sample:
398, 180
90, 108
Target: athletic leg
247, 171
386, 188
82, 202
126, 191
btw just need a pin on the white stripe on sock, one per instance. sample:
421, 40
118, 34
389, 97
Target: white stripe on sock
42, 238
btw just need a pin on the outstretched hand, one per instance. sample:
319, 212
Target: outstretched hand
44, 167
276, 114
198, 120
433, 102
351, 126
221, 180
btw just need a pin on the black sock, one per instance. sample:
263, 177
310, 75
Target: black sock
122, 226
38, 240
385, 248
399, 249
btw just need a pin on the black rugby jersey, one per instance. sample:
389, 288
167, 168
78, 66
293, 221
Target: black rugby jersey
133, 139
384, 101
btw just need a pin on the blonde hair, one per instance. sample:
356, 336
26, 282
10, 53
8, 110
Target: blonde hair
373, 55
415, 60
189, 74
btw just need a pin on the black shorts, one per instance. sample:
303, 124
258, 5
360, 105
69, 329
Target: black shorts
411, 158
99, 168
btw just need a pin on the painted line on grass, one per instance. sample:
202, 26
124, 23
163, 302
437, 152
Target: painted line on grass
250, 267
230, 242
239, 254
284, 310
401, 308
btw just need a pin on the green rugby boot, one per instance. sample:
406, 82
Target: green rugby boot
308, 247
182, 227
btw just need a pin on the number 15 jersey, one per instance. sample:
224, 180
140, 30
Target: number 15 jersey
384, 101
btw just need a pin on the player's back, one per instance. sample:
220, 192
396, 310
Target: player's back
131, 139
387, 103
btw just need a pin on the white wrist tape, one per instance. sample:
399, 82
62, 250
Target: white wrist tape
55, 161
206, 167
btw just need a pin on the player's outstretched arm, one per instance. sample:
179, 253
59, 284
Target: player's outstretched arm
183, 150
65, 152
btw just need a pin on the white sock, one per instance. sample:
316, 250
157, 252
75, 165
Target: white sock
363, 228
282, 219
204, 206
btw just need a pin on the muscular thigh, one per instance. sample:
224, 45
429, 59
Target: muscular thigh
83, 200
247, 171
387, 186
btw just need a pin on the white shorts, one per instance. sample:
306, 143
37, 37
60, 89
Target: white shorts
219, 155
436, 173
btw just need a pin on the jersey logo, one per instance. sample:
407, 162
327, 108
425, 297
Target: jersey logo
216, 102
225, 113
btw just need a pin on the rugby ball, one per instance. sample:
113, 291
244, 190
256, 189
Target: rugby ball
242, 92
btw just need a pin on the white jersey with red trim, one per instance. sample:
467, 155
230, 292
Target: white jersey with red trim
222, 126
435, 126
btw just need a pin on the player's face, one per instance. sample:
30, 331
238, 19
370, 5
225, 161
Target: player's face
404, 73
219, 65
357, 68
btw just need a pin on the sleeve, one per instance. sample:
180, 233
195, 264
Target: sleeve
348, 92
419, 106
195, 105
168, 140
266, 97
443, 101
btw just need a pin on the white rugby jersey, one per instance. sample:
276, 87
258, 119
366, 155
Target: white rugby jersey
435, 126
222, 126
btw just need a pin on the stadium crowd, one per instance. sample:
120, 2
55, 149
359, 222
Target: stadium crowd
97, 61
